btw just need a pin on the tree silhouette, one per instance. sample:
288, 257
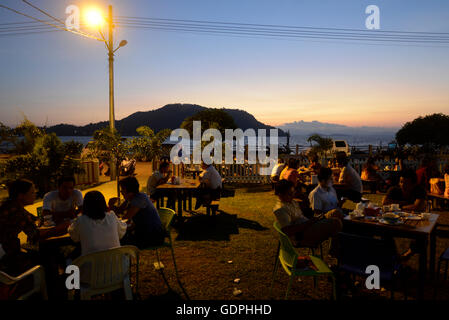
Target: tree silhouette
431, 131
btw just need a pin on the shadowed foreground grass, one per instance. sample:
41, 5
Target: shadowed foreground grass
240, 243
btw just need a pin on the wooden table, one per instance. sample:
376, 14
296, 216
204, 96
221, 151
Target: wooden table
184, 192
420, 231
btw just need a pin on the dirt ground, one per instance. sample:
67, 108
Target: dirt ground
240, 243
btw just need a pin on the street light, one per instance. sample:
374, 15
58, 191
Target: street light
94, 18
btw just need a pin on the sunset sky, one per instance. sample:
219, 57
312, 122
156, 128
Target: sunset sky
60, 77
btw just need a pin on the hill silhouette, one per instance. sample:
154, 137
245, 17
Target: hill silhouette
169, 116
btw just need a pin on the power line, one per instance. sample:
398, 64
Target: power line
44, 12
22, 28
50, 24
287, 35
278, 31
24, 22
250, 30
283, 32
2, 35
60, 21
278, 26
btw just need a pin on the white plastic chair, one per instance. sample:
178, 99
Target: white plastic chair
39, 286
108, 271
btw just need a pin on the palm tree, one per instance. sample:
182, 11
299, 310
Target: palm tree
323, 145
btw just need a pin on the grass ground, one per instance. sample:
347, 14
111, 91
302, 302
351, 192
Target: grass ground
243, 233
240, 243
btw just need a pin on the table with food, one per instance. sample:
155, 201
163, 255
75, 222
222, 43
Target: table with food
391, 221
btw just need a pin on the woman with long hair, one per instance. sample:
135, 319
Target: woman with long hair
96, 229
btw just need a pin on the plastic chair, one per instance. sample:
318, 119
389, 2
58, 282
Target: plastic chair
39, 211
109, 271
166, 215
357, 252
39, 286
288, 257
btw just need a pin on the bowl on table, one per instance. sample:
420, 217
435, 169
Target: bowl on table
391, 217
356, 214
426, 215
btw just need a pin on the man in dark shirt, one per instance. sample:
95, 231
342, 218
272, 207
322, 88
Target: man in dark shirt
138, 208
409, 195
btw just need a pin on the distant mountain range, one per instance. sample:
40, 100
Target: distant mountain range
300, 130
169, 116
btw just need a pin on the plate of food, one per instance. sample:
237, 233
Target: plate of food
356, 215
390, 222
413, 217
390, 218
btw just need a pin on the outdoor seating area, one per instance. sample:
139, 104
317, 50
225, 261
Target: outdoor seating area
234, 248
224, 159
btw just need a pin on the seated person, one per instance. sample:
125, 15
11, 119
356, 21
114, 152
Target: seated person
369, 173
210, 186
323, 199
302, 231
147, 227
315, 165
399, 164
422, 177
446, 180
127, 167
64, 203
349, 183
290, 172
277, 169
96, 229
159, 177
409, 195
14, 219
104, 166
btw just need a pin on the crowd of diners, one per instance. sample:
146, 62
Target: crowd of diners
92, 223
99, 225
309, 219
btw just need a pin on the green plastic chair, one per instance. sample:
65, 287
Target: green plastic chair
288, 258
166, 215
